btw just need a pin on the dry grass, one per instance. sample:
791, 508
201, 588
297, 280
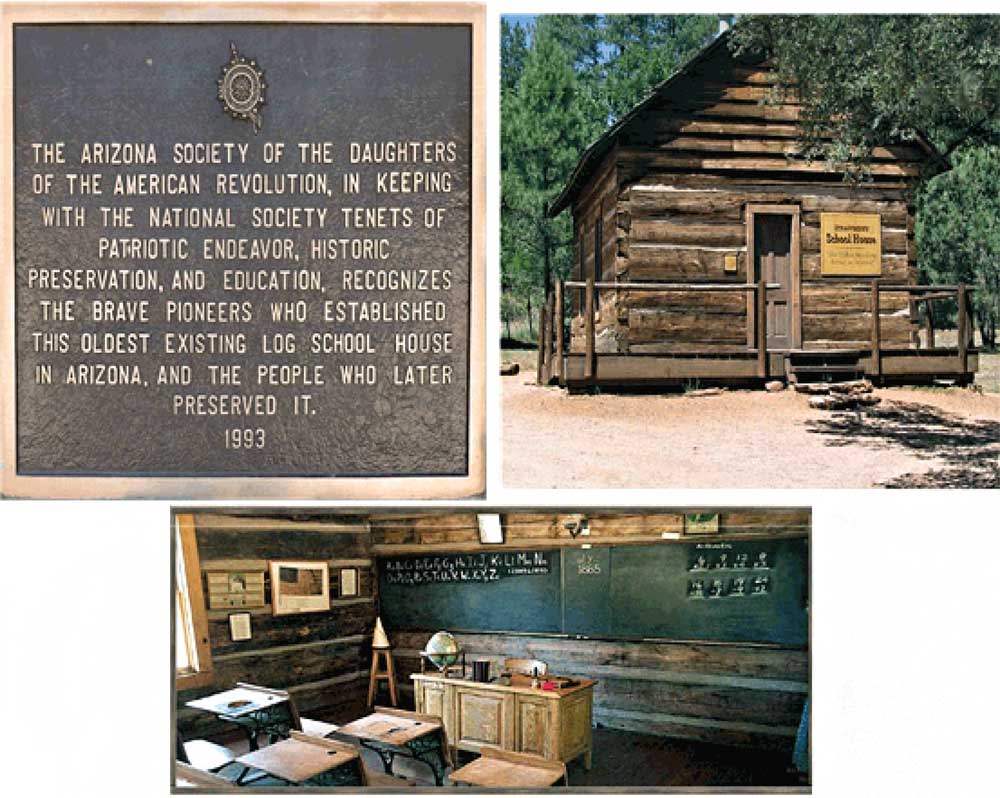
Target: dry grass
527, 359
988, 375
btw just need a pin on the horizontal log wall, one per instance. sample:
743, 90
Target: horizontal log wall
730, 694
399, 534
687, 169
322, 658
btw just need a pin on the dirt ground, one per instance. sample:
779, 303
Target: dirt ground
916, 437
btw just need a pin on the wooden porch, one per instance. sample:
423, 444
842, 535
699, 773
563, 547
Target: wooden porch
753, 365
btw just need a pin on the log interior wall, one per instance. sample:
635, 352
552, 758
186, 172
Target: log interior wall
686, 169
736, 694
321, 658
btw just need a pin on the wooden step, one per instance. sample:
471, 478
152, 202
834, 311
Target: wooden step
808, 367
830, 368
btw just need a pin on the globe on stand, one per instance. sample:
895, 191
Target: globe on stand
442, 651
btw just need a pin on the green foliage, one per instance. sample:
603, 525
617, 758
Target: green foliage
565, 79
645, 50
958, 231
513, 49
542, 134
870, 80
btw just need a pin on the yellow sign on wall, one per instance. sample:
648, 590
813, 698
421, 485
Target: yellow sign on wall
850, 243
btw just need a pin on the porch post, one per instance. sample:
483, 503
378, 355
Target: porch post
558, 331
541, 345
547, 360
963, 334
588, 321
761, 320
876, 331
929, 322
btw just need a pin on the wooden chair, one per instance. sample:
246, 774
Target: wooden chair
526, 667
313, 728
203, 755
187, 776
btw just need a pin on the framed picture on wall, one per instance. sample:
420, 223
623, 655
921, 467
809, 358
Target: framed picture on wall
701, 524
299, 587
490, 529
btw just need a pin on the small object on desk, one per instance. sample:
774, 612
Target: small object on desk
480, 670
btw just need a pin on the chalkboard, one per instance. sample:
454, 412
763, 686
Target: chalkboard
651, 593
740, 591
498, 591
586, 587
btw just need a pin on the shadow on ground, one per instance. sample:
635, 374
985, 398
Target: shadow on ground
969, 449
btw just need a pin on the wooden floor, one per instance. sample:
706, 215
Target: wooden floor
629, 759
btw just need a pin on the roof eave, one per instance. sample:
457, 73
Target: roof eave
605, 141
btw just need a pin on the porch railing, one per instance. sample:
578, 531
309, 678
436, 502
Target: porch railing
924, 295
551, 327
552, 319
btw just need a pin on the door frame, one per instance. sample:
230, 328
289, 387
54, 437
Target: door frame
795, 253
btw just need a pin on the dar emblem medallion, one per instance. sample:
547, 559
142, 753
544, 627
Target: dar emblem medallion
241, 88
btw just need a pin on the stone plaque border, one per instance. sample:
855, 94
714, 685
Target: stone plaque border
472, 484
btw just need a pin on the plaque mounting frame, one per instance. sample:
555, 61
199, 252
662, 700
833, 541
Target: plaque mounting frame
468, 485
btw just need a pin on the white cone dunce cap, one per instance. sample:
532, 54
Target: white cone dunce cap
379, 640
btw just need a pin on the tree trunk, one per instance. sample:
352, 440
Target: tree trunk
531, 331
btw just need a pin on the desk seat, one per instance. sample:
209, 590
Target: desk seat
318, 728
375, 779
206, 755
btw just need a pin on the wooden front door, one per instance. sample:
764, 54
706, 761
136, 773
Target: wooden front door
773, 259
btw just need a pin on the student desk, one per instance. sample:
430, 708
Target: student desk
390, 735
255, 711
310, 761
553, 724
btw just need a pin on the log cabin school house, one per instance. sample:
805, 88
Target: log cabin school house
706, 250
504, 649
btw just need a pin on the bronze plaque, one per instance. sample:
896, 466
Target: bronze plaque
245, 250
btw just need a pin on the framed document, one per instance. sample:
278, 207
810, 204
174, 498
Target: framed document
239, 627
348, 582
250, 235
299, 587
